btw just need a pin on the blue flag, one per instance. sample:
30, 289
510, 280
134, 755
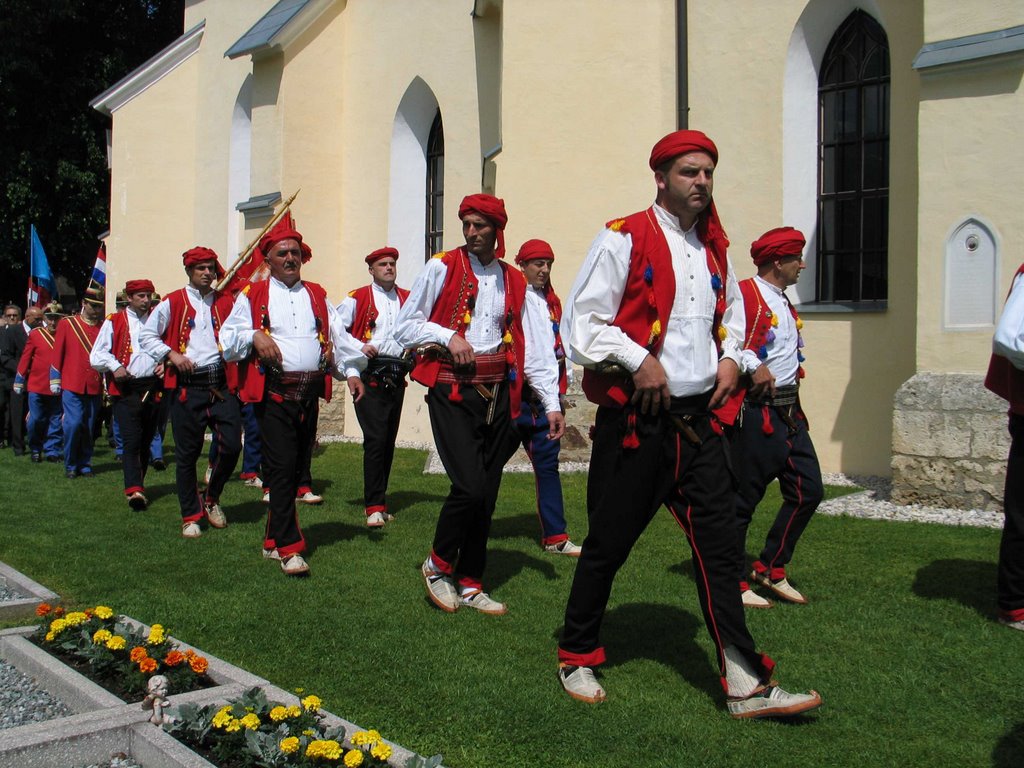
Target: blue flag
41, 285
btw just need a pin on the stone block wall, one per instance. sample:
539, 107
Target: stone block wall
949, 443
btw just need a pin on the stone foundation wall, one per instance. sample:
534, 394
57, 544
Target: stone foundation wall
949, 443
332, 415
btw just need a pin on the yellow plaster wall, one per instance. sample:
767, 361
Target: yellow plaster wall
971, 155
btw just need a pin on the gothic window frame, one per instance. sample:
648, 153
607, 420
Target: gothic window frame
434, 224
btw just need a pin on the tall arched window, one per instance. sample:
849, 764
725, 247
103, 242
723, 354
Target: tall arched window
435, 188
853, 162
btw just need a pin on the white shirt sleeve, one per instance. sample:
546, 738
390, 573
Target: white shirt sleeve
347, 311
1009, 336
540, 365
150, 333
101, 358
237, 332
734, 321
593, 303
412, 328
348, 352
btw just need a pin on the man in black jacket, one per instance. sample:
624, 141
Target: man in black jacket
12, 343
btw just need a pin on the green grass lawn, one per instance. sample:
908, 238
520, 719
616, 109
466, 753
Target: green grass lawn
898, 637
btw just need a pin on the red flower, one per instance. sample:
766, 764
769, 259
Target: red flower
43, 609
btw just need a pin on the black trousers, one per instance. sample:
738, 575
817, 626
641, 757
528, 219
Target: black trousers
1010, 580
474, 454
379, 413
6, 390
760, 458
625, 487
137, 411
17, 408
193, 410
288, 430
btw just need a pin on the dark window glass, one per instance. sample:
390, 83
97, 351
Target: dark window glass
435, 188
853, 163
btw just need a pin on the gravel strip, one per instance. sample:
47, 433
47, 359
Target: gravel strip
874, 503
6, 593
22, 701
119, 760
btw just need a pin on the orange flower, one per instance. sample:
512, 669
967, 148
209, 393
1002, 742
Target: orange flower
138, 653
58, 611
174, 658
147, 665
190, 654
199, 664
43, 608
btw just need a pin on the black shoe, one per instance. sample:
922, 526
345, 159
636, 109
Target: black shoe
54, 459
37, 458
159, 465
71, 474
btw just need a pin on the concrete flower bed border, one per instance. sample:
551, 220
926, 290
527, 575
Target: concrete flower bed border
33, 594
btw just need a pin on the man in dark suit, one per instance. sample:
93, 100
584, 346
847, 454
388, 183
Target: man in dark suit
11, 316
12, 343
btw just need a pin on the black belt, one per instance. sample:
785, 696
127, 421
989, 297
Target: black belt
140, 384
205, 377
783, 396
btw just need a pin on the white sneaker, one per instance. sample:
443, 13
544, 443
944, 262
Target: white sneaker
208, 475
580, 683
782, 588
138, 501
751, 599
564, 547
484, 603
271, 554
440, 588
1008, 622
309, 498
215, 515
253, 482
294, 565
266, 496
772, 701
378, 519
191, 530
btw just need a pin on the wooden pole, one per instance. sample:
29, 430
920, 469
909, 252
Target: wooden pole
244, 255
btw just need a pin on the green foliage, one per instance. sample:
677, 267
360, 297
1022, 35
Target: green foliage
57, 56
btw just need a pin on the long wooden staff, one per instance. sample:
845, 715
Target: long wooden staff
244, 255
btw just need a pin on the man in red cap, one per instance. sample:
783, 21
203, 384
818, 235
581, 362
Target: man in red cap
1006, 378
287, 339
79, 386
770, 439
369, 315
485, 340
652, 318
134, 384
183, 333
535, 258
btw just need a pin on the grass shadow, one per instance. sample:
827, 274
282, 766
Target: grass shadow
524, 526
503, 565
324, 534
401, 500
969, 582
1009, 748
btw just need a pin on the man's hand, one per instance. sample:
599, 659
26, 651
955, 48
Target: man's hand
462, 352
356, 388
369, 350
121, 374
728, 379
762, 382
266, 349
179, 361
556, 425
651, 386
158, 370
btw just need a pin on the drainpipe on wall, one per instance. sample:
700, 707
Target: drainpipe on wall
682, 72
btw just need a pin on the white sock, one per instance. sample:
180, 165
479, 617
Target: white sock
468, 591
739, 677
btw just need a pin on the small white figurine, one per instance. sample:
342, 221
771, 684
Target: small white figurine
156, 700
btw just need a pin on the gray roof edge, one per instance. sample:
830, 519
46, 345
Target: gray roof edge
304, 13
258, 201
970, 47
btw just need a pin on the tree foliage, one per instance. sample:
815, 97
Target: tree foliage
57, 56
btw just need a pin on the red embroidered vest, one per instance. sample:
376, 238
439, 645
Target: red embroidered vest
251, 379
179, 329
650, 291
120, 346
365, 319
1003, 377
452, 310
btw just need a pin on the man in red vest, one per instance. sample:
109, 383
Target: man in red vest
32, 377
652, 316
369, 314
535, 258
770, 439
134, 383
183, 333
287, 338
486, 340
79, 386
1006, 378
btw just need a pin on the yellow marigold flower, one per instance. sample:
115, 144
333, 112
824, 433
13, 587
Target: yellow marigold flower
50, 637
251, 721
279, 713
309, 732
156, 635
380, 750
42, 609
101, 636
359, 738
289, 745
75, 618
137, 654
311, 703
373, 736
58, 625
199, 665
353, 758
294, 711
234, 725
147, 666
222, 718
116, 643
327, 749
103, 612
